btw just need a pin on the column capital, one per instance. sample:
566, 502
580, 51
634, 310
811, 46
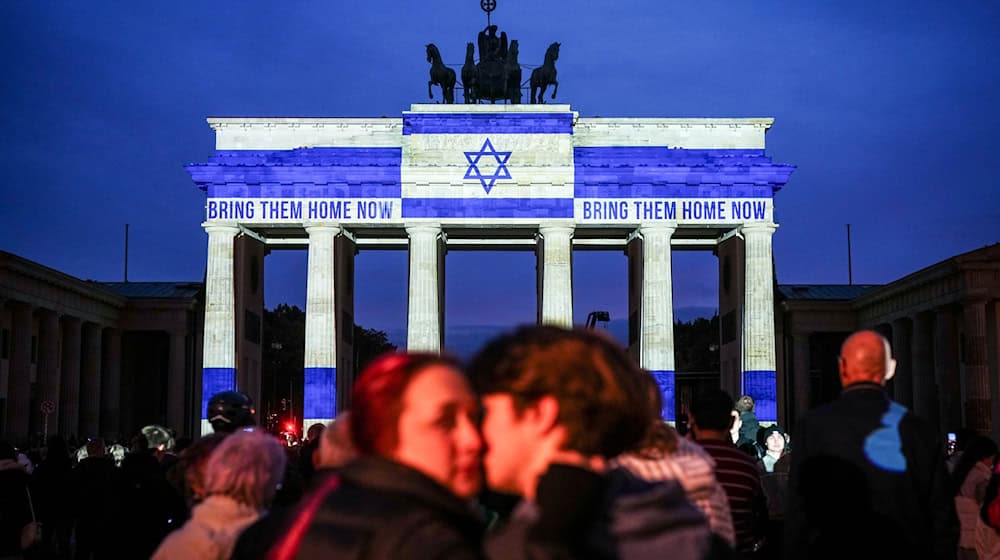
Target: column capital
321, 227
975, 299
423, 228
46, 312
221, 227
71, 320
556, 228
657, 226
759, 228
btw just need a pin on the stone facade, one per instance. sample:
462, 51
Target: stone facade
111, 357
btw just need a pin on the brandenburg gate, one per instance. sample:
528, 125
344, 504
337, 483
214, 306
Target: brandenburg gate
503, 177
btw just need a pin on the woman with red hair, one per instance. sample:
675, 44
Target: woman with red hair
409, 495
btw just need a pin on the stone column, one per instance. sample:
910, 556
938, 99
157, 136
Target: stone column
759, 361
320, 386
993, 355
177, 381
47, 374
976, 370
902, 330
946, 368
111, 384
557, 275
344, 251
90, 381
219, 362
925, 402
19, 372
802, 381
423, 328
68, 407
657, 316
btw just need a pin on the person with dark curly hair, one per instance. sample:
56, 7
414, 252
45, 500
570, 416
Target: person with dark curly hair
558, 405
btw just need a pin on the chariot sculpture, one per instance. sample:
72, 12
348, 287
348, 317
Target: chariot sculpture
497, 75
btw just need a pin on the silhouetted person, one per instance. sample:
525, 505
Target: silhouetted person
14, 511
306, 462
95, 481
52, 484
150, 507
229, 411
868, 476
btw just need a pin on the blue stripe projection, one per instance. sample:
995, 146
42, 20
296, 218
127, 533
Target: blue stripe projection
883, 447
292, 170
487, 123
762, 385
658, 155
665, 379
215, 380
673, 191
305, 191
646, 170
487, 208
320, 397
350, 156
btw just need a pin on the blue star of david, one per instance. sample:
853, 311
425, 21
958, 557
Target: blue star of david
487, 180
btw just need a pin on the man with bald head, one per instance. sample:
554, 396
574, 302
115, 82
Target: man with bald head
868, 477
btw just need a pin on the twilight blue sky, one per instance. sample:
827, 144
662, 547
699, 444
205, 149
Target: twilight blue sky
889, 109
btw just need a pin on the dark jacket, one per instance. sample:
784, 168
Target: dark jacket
95, 483
381, 509
868, 478
748, 429
149, 508
579, 514
14, 510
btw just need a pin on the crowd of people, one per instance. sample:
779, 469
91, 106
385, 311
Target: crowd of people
547, 444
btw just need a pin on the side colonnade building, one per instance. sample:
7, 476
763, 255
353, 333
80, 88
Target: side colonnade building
943, 323
514, 177
103, 358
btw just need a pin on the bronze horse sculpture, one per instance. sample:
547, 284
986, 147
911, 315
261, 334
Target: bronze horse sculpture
512, 71
469, 75
441, 75
545, 75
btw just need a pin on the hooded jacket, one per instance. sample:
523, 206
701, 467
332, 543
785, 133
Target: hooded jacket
580, 514
14, 510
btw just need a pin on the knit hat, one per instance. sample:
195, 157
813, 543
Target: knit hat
763, 434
